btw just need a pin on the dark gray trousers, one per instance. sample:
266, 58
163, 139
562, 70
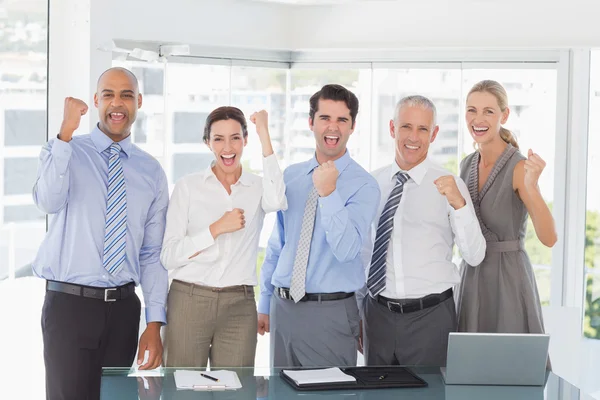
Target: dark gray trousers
313, 333
417, 338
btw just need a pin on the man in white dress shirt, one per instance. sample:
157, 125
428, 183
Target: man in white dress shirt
409, 309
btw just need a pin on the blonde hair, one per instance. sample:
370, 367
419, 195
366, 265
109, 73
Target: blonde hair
496, 89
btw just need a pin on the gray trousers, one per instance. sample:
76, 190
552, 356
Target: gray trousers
417, 338
204, 322
313, 333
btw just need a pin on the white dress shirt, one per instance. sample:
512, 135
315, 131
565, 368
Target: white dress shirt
419, 257
199, 200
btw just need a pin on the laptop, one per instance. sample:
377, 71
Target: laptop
496, 359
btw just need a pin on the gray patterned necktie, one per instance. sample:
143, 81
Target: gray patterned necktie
298, 285
377, 271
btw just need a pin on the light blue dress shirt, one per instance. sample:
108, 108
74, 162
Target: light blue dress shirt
72, 186
341, 226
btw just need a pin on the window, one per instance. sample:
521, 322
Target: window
24, 127
23, 105
188, 127
19, 175
22, 213
151, 79
184, 164
591, 322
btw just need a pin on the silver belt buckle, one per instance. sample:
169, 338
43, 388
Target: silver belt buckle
283, 294
390, 303
106, 299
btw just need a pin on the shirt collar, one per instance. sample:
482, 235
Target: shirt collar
103, 142
341, 163
416, 173
244, 178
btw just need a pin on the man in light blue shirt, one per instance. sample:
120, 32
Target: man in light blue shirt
313, 262
108, 201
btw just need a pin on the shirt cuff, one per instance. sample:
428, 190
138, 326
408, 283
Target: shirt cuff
270, 163
156, 314
331, 204
202, 241
264, 305
463, 216
61, 152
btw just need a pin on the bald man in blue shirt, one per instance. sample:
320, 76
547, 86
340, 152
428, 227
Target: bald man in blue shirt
108, 201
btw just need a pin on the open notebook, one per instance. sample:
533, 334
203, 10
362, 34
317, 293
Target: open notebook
189, 379
312, 376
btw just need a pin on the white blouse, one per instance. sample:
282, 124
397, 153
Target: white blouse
199, 200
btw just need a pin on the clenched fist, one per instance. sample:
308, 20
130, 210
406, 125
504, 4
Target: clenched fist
534, 165
263, 324
74, 109
446, 185
325, 178
261, 120
231, 221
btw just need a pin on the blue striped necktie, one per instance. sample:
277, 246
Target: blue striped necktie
377, 271
116, 214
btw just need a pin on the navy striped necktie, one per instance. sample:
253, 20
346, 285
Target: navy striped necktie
377, 270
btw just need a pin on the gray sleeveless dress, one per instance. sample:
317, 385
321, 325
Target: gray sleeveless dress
499, 295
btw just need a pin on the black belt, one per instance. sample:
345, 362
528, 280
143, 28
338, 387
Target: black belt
284, 293
106, 294
404, 306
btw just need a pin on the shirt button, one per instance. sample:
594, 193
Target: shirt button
326, 232
104, 276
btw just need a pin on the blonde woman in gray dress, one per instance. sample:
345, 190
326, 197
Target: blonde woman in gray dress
500, 294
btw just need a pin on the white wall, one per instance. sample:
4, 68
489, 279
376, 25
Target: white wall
206, 22
448, 23
371, 24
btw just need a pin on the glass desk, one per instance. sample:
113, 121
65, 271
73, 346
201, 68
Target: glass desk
263, 383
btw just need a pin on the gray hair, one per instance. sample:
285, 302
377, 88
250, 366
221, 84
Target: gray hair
415, 101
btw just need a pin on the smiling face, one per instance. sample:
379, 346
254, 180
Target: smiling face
332, 126
226, 141
413, 130
484, 116
117, 99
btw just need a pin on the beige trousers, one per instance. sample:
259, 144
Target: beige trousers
210, 323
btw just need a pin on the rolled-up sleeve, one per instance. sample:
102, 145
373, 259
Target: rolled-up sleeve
273, 195
467, 231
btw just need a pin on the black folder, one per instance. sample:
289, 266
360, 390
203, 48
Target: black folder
366, 378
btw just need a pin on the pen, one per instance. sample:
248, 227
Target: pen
209, 377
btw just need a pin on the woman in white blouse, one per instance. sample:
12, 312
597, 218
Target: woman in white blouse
211, 243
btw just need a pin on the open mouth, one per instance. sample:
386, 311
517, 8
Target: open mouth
116, 117
331, 141
412, 148
228, 159
480, 130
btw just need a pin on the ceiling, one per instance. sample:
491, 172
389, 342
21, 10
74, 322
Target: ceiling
319, 2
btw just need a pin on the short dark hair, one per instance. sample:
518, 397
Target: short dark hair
335, 93
222, 114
